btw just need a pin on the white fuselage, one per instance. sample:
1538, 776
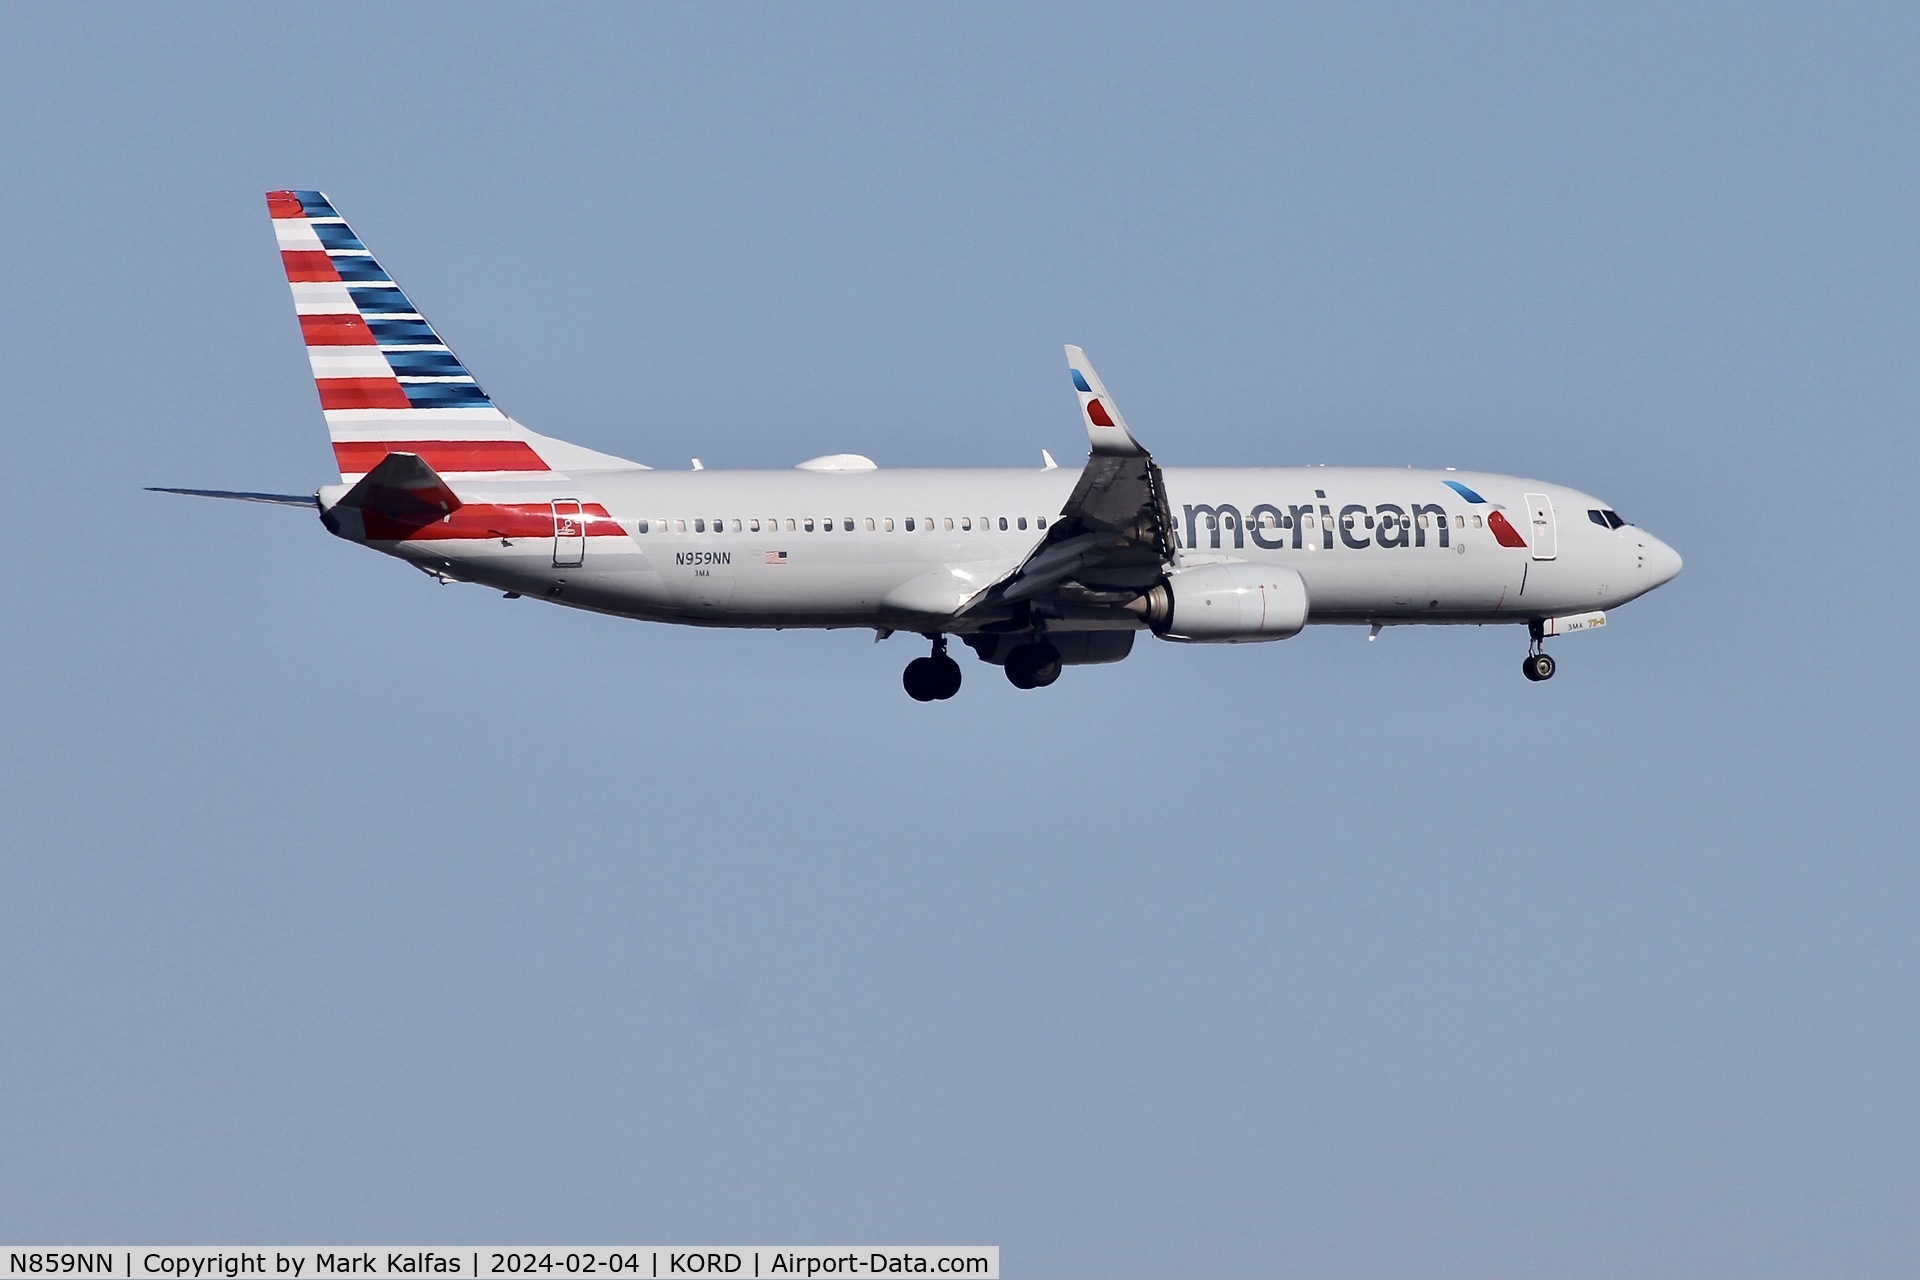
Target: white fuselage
799, 548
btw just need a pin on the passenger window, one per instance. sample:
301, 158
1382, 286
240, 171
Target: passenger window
1003, 524
826, 526
966, 523
736, 525
1459, 522
886, 523
1476, 521
870, 524
949, 524
789, 524
679, 526
1369, 520
846, 525
699, 526
809, 524
1423, 522
1213, 522
641, 527
1022, 522
1307, 521
909, 524
1043, 522
753, 525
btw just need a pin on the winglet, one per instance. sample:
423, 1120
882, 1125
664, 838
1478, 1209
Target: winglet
1106, 429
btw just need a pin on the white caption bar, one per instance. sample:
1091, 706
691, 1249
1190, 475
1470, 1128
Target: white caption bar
609, 1262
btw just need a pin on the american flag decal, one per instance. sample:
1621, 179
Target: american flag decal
776, 557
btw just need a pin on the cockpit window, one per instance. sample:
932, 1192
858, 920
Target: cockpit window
1598, 519
1613, 518
1606, 519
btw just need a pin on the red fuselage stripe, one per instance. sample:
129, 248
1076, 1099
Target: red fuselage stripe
487, 521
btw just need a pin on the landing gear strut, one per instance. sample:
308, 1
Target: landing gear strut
934, 678
1033, 666
1537, 665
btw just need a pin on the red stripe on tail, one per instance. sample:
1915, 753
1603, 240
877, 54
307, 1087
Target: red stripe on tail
304, 266
336, 331
362, 393
359, 456
284, 204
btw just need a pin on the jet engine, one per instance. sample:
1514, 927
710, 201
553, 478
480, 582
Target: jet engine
1231, 603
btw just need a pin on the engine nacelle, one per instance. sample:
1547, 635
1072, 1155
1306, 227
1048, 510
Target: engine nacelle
1231, 603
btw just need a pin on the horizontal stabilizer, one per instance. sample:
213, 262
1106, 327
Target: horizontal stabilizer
277, 499
403, 486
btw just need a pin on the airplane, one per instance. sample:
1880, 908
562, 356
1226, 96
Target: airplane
1034, 570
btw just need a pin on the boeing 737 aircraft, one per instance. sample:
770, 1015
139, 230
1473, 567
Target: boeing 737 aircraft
1034, 570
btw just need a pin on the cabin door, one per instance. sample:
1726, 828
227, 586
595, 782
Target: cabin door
1541, 536
569, 534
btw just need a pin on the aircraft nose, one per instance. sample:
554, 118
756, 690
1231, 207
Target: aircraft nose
1663, 562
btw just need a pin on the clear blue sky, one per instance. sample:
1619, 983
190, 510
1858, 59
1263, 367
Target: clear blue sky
340, 906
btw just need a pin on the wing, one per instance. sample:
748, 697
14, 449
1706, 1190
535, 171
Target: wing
1114, 537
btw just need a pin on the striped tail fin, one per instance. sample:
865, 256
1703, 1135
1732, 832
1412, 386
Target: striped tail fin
387, 382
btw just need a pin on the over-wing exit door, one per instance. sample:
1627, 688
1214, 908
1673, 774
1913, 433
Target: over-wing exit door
569, 534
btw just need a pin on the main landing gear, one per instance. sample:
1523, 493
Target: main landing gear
1033, 666
934, 678
1537, 665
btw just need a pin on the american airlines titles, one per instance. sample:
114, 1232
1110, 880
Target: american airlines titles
1358, 526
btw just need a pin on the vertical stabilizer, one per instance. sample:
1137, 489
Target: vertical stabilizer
387, 382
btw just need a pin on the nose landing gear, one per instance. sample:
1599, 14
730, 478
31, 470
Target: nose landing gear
1537, 665
934, 678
